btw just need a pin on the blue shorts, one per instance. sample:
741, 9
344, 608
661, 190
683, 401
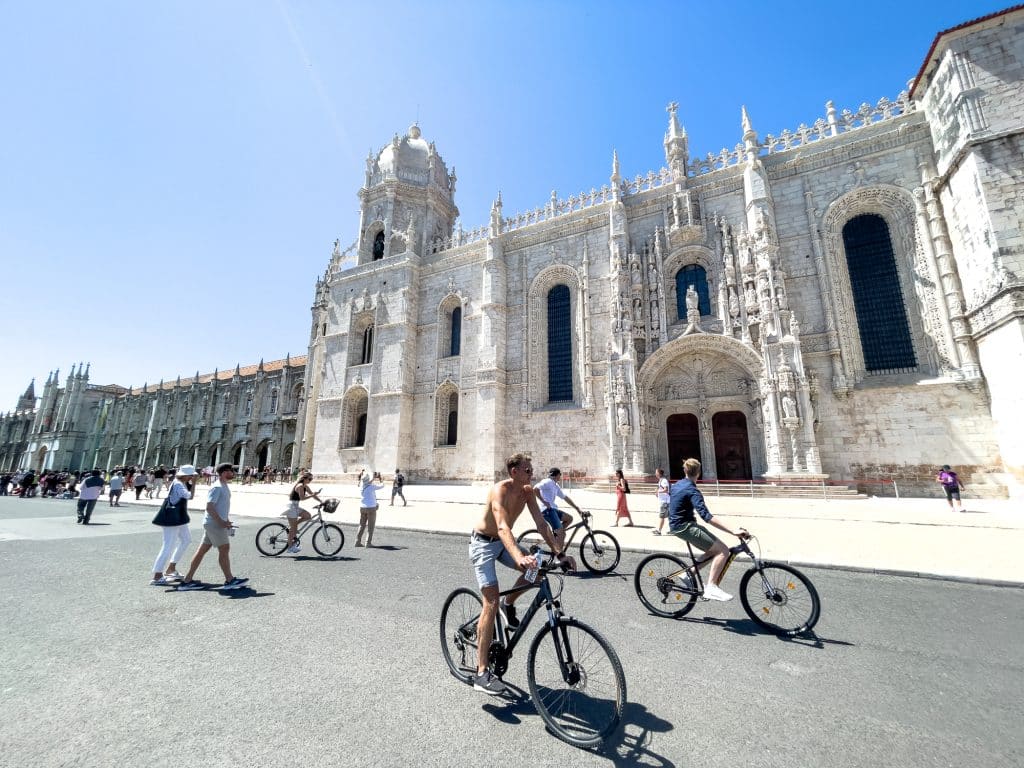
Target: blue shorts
554, 518
483, 555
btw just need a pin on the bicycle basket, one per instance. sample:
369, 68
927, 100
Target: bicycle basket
330, 505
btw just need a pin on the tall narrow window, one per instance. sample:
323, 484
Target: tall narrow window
456, 345
877, 296
559, 345
378, 246
692, 274
273, 401
367, 345
248, 405
453, 418
361, 430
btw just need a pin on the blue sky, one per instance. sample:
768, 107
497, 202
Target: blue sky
173, 174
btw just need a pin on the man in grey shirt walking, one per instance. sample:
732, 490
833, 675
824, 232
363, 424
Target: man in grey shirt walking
216, 533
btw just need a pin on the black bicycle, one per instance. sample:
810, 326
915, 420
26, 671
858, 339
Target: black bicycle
575, 677
328, 538
775, 595
599, 550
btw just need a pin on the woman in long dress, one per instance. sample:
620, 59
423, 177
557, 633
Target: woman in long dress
621, 489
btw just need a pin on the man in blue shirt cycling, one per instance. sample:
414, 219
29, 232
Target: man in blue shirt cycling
685, 499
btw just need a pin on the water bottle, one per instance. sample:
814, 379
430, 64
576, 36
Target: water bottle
531, 573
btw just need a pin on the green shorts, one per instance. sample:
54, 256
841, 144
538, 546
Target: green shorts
697, 535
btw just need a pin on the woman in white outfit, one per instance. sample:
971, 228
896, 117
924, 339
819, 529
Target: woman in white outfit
176, 534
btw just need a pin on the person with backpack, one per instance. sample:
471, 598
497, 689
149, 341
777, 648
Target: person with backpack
396, 488
950, 482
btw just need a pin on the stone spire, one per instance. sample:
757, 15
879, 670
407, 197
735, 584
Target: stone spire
27, 401
616, 178
749, 135
676, 147
496, 219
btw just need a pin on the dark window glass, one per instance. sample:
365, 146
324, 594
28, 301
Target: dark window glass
877, 296
361, 429
367, 345
692, 274
378, 246
559, 345
456, 344
453, 419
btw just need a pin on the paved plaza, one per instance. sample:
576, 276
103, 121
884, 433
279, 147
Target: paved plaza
337, 662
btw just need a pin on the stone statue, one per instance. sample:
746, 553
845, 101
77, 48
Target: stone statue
751, 297
692, 300
623, 415
336, 253
734, 304
788, 406
638, 311
794, 327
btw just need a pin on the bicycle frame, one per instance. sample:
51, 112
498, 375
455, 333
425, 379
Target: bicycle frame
740, 549
583, 523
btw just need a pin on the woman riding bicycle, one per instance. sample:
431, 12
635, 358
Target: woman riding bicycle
300, 492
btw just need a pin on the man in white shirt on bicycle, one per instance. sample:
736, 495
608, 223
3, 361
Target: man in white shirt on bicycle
550, 491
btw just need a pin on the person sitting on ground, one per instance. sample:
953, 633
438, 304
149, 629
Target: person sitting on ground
685, 499
950, 482
550, 491
300, 492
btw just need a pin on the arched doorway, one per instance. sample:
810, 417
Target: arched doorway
236, 457
262, 453
732, 445
213, 456
41, 459
683, 435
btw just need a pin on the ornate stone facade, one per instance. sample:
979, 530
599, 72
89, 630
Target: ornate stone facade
758, 363
247, 416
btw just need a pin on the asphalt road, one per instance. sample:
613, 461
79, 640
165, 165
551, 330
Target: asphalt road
326, 663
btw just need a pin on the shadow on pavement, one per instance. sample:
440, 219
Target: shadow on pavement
242, 593
629, 744
753, 629
386, 547
90, 524
322, 558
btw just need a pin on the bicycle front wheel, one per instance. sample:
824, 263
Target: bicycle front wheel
780, 598
272, 539
576, 682
328, 539
665, 585
600, 552
459, 617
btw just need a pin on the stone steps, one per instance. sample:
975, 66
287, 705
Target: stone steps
790, 489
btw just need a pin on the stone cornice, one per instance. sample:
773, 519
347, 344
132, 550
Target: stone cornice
1003, 307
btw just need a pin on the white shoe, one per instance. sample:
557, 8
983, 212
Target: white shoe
174, 576
711, 592
295, 548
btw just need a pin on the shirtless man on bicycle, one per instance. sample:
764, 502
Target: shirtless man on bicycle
300, 492
685, 499
492, 541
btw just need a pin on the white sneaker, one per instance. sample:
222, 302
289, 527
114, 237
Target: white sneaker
711, 592
295, 548
174, 576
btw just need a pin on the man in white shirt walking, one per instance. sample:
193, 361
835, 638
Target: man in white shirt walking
216, 533
91, 489
663, 499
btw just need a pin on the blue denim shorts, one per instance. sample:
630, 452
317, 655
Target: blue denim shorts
483, 555
554, 518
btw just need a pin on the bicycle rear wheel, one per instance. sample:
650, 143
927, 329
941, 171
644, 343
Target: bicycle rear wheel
458, 632
600, 552
780, 598
664, 585
272, 539
328, 539
532, 536
576, 682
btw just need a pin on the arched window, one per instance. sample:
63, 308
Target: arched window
877, 296
456, 343
353, 419
453, 418
378, 246
692, 274
559, 345
367, 345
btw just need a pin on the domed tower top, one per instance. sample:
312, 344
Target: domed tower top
408, 198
